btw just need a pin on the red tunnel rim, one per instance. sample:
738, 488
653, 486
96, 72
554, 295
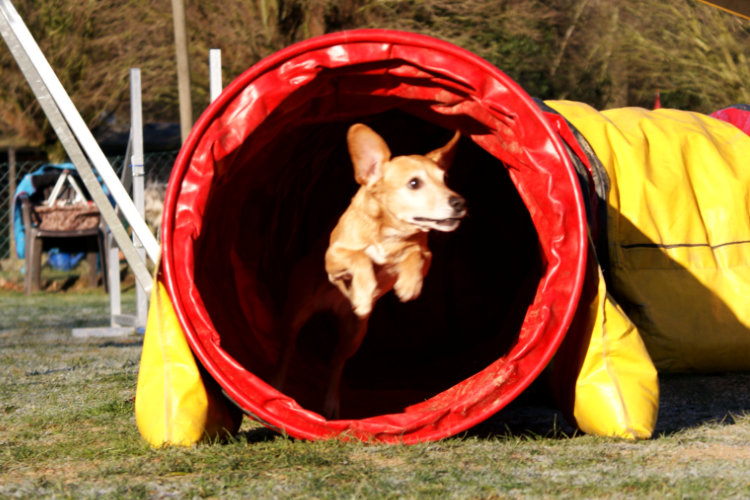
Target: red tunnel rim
268, 64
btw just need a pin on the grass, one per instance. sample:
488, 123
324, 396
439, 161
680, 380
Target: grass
67, 430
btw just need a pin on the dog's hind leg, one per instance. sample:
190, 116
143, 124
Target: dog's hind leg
290, 323
288, 335
352, 330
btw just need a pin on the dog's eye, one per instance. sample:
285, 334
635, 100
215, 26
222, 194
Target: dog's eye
415, 183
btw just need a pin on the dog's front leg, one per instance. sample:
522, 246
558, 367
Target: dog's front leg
411, 271
352, 272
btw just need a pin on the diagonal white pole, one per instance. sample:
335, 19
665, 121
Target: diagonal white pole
76, 155
79, 128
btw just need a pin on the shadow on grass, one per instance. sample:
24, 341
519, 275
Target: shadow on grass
130, 341
689, 401
686, 401
259, 435
532, 414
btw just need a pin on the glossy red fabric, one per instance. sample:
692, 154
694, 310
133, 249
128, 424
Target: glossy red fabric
264, 175
738, 115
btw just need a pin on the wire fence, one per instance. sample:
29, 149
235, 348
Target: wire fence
158, 167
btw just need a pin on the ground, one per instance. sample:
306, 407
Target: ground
67, 429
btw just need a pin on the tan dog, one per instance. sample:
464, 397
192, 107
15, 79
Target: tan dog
378, 245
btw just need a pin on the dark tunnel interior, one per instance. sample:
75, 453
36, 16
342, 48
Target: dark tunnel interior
279, 207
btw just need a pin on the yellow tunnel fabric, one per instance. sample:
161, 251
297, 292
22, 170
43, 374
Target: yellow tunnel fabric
678, 230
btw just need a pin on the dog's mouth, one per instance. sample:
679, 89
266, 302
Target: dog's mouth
447, 224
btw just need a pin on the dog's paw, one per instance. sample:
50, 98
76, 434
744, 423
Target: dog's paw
362, 308
363, 293
407, 289
331, 409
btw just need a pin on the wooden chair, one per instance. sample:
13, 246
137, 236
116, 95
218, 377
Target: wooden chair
58, 222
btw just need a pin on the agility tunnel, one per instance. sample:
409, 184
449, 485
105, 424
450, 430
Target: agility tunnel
263, 178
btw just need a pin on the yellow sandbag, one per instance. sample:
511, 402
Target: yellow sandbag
617, 389
678, 228
174, 404
603, 377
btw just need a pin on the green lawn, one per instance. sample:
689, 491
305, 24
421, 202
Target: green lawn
67, 430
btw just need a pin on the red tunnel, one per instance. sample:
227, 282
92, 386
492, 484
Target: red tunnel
265, 174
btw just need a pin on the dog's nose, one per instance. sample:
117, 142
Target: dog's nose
457, 203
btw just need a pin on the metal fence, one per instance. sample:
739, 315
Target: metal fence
158, 168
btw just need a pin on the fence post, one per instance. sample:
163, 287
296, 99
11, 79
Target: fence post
183, 67
12, 192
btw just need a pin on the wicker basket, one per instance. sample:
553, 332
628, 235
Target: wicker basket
66, 217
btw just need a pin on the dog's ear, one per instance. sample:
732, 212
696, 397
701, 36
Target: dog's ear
368, 151
444, 156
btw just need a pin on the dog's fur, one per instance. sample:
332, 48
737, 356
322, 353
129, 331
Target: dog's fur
378, 245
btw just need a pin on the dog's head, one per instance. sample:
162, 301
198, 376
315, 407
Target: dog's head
410, 188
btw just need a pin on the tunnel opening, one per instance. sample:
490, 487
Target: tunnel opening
264, 177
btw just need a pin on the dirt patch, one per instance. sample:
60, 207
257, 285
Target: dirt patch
714, 452
378, 460
10, 285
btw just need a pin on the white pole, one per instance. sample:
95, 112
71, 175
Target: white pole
113, 258
138, 172
214, 73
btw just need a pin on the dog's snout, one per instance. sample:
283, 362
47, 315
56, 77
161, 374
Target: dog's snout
457, 203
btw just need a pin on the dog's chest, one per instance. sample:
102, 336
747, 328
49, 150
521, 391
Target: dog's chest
377, 253
389, 251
